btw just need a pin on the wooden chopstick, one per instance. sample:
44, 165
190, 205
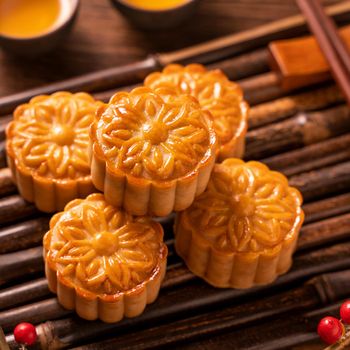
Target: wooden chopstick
336, 40
329, 41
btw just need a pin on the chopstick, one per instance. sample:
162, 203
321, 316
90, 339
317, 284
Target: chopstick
329, 41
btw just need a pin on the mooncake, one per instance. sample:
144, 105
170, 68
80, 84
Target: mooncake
242, 231
215, 93
152, 151
47, 148
103, 262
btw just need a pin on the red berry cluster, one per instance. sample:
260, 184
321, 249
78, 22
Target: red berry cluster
331, 329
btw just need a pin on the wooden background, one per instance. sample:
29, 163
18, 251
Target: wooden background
103, 38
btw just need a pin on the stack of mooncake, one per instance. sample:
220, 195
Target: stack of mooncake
171, 145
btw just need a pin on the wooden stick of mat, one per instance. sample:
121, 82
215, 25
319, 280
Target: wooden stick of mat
312, 157
23, 235
261, 88
281, 108
14, 208
305, 266
319, 291
24, 292
326, 208
6, 184
301, 130
95, 81
284, 331
245, 65
3, 161
4, 120
297, 332
21, 263
203, 53
322, 182
324, 232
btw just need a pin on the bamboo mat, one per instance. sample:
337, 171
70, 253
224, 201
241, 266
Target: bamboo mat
304, 134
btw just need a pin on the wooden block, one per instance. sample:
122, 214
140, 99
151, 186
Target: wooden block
300, 62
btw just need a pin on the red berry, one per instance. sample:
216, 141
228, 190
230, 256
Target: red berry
345, 312
25, 333
330, 329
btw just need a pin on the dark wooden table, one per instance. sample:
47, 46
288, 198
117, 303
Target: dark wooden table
103, 38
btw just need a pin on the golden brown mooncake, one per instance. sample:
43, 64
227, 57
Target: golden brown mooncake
47, 148
215, 93
102, 261
242, 231
152, 151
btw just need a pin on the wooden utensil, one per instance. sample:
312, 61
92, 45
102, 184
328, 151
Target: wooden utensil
300, 62
332, 46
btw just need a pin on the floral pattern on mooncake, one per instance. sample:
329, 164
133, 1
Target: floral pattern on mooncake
98, 252
249, 218
151, 145
47, 145
215, 93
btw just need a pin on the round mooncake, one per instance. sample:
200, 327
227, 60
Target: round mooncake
103, 262
215, 93
152, 151
47, 148
242, 231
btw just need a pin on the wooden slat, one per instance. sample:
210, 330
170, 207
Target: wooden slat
14, 208
313, 294
23, 235
281, 108
301, 130
175, 303
327, 208
20, 263
312, 157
